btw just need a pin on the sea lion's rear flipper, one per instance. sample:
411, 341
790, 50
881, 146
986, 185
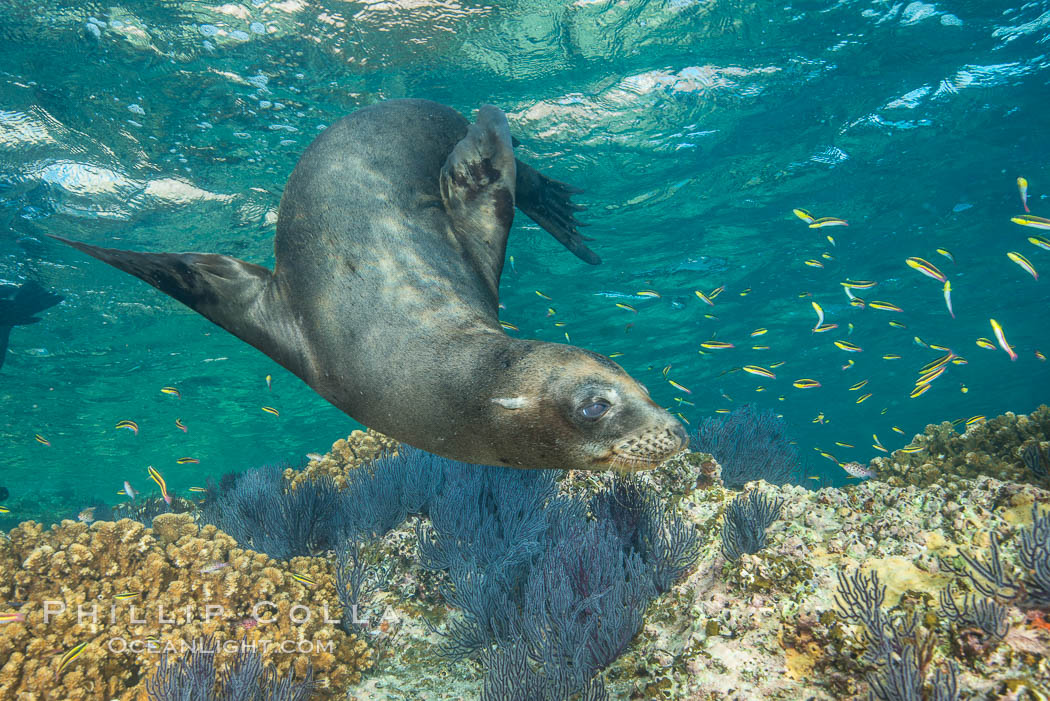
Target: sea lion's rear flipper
30, 299
477, 188
547, 203
240, 297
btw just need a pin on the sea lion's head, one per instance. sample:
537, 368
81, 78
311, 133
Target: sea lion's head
558, 406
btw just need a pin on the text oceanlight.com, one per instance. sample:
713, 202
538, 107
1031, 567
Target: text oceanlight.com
120, 645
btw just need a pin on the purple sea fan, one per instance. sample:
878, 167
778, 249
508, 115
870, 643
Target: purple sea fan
749, 444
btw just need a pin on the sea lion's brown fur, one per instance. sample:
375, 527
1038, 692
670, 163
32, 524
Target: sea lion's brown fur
390, 244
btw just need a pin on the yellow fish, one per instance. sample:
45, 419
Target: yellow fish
920, 389
628, 307
858, 284
1022, 190
814, 263
648, 293
681, 387
847, 346
806, 383
1032, 221
1040, 241
155, 476
617, 354
303, 579
1025, 264
940, 362
885, 306
760, 371
985, 343
507, 325
744, 292
946, 253
931, 376
827, 221
858, 385
543, 295
271, 410
975, 420
891, 356
926, 268
704, 297
187, 461
820, 315
911, 449
999, 336
759, 347
759, 332
844, 445
69, 656
896, 324
716, 344
863, 398
878, 444
825, 327
804, 215
172, 391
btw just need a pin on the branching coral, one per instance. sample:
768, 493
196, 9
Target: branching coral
169, 574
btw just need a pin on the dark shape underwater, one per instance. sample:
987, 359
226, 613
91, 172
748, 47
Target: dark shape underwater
30, 299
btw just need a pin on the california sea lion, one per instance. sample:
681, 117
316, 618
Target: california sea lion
389, 248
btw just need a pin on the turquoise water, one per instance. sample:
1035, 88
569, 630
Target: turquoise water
695, 127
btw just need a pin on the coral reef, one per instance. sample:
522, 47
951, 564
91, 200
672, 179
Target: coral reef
996, 448
478, 581
149, 588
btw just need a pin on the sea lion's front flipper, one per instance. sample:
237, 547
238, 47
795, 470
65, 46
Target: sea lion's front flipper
240, 297
477, 187
547, 203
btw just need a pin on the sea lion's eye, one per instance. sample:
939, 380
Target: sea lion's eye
595, 410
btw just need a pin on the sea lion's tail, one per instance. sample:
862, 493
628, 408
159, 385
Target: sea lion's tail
240, 297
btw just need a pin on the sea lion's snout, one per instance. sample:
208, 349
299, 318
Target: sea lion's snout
648, 448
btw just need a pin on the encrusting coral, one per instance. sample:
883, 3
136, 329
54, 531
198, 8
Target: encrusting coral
151, 588
358, 448
994, 448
